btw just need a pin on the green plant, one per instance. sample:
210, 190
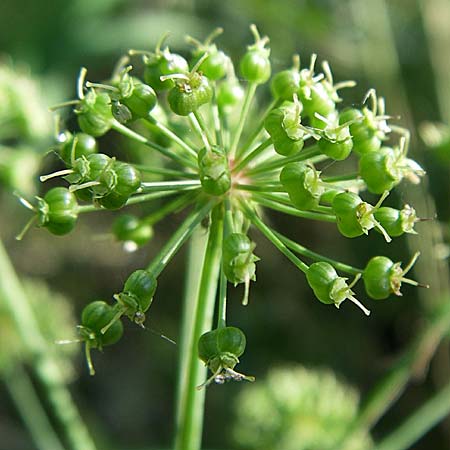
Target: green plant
297, 408
225, 165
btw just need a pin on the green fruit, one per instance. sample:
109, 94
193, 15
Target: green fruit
303, 185
58, 211
94, 114
214, 171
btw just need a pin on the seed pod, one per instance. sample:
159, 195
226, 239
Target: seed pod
138, 293
329, 287
135, 299
69, 151
93, 318
313, 94
238, 261
222, 340
189, 94
365, 140
303, 185
88, 168
283, 125
229, 94
202, 89
141, 101
370, 127
286, 83
125, 181
214, 171
356, 217
350, 115
255, 64
320, 277
214, 65
220, 350
336, 143
379, 169
395, 221
163, 63
382, 277
94, 113
87, 172
121, 112
57, 211
315, 99
130, 230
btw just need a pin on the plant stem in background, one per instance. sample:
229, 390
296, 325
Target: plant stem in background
27, 402
389, 389
419, 423
16, 303
381, 62
197, 320
436, 17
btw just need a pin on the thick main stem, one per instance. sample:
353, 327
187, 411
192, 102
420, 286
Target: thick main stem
16, 303
197, 319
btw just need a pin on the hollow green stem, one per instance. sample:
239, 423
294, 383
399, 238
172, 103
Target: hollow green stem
249, 94
261, 188
165, 172
178, 238
303, 155
216, 119
324, 209
171, 135
222, 309
158, 186
228, 218
419, 423
26, 400
225, 126
273, 202
181, 159
270, 235
196, 252
47, 370
255, 153
259, 128
135, 199
198, 129
170, 207
297, 248
336, 178
191, 402
204, 127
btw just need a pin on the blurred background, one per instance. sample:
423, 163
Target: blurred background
401, 48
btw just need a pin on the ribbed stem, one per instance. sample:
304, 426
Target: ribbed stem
191, 400
180, 236
183, 160
270, 235
249, 94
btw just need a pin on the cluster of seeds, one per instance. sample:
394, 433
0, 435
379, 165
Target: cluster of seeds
228, 162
